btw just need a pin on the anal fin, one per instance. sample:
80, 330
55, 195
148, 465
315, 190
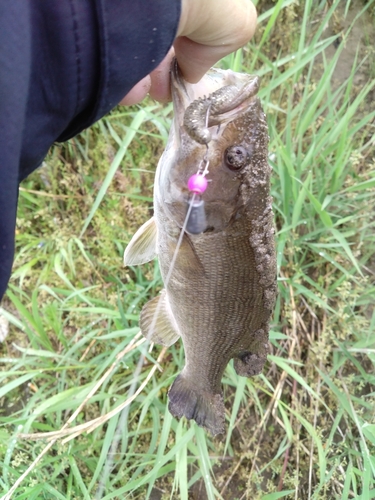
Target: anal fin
157, 321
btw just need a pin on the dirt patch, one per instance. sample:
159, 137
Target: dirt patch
357, 36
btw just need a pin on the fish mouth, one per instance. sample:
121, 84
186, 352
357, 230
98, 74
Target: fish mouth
185, 93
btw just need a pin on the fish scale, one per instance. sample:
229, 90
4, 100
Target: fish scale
219, 295
212, 314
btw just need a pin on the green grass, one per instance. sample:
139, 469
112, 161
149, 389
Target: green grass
303, 429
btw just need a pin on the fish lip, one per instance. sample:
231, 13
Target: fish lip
176, 75
180, 96
184, 93
232, 113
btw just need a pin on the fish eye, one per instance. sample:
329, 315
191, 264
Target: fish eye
235, 157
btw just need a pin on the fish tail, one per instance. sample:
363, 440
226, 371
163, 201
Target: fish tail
206, 408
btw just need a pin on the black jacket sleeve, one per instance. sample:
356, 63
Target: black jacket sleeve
63, 65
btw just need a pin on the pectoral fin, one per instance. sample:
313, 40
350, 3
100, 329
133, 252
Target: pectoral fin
142, 247
157, 321
248, 364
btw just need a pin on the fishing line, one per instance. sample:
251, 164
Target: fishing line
109, 464
197, 184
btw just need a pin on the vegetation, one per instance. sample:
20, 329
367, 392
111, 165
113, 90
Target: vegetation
305, 428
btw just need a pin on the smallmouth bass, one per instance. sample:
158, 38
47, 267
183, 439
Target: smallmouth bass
220, 294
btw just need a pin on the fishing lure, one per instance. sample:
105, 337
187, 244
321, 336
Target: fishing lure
197, 185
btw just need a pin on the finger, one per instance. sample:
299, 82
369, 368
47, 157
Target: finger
161, 79
138, 92
203, 37
195, 59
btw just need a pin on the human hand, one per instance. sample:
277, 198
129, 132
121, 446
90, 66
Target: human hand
208, 30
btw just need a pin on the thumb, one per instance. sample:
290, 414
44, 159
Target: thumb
210, 30
195, 59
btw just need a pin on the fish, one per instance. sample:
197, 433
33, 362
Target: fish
220, 280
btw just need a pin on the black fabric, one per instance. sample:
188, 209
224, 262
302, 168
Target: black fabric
63, 65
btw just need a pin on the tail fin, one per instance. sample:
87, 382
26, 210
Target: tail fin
205, 408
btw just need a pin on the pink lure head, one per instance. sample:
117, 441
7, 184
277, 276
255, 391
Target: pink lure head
197, 183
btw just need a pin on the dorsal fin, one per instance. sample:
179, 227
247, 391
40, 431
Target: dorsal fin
142, 247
